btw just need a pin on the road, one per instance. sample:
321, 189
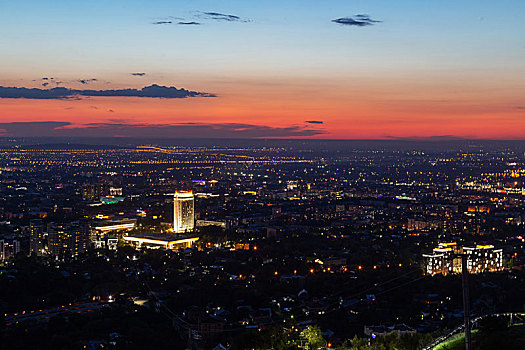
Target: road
45, 315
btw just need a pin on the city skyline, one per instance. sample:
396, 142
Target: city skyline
303, 69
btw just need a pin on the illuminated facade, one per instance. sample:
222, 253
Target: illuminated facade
67, 240
36, 237
105, 234
183, 212
8, 249
115, 191
202, 223
445, 260
171, 242
484, 258
116, 225
93, 192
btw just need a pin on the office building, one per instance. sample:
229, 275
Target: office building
183, 212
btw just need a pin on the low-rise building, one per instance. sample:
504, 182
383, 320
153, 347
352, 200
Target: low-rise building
166, 241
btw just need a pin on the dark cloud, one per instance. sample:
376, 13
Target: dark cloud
357, 20
140, 74
31, 128
65, 93
111, 111
314, 122
192, 23
180, 130
87, 81
426, 138
220, 17
198, 16
45, 81
519, 107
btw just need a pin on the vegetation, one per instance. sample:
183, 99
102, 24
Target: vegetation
493, 333
311, 338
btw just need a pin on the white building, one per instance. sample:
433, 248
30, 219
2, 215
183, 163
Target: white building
445, 259
183, 212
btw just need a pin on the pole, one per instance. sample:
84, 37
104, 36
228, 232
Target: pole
466, 302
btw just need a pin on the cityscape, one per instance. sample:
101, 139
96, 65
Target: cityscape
225, 247
262, 175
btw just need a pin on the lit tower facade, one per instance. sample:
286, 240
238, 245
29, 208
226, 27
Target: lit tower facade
183, 212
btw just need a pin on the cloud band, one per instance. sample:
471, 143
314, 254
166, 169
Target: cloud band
58, 93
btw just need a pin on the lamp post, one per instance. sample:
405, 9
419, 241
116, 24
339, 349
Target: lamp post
466, 300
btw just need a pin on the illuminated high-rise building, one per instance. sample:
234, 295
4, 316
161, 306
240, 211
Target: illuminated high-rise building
68, 240
445, 259
183, 212
36, 237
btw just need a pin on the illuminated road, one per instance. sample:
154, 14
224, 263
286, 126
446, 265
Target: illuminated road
45, 315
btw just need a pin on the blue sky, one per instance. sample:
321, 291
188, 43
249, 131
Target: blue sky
467, 44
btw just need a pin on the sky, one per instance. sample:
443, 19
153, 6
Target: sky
331, 69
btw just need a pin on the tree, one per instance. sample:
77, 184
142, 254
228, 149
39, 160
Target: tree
356, 344
313, 337
272, 338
